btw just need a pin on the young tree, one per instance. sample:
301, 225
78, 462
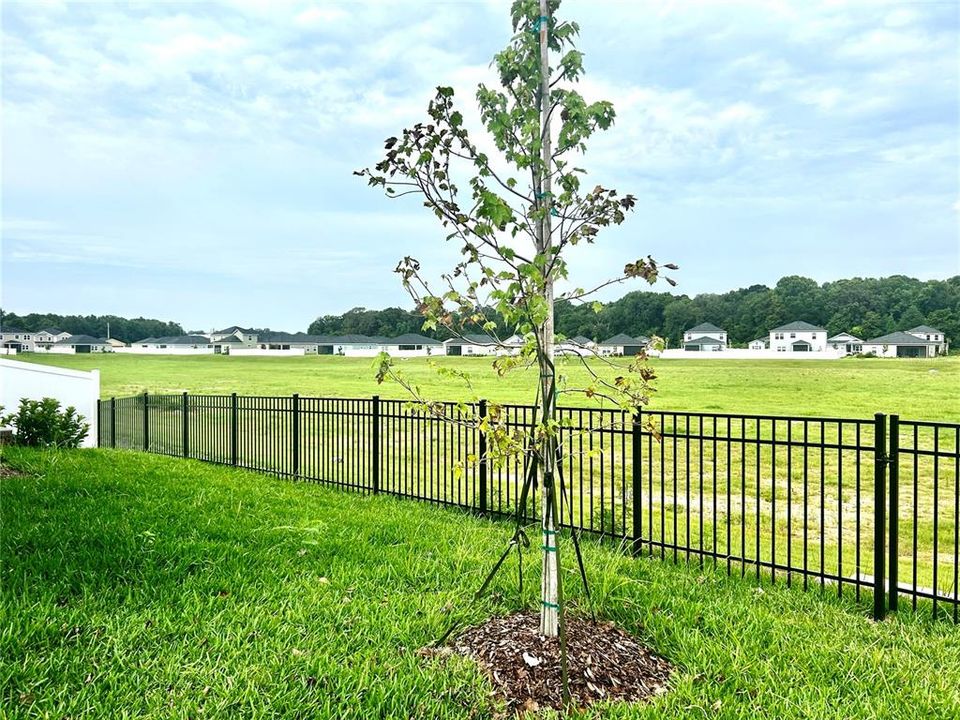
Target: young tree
515, 220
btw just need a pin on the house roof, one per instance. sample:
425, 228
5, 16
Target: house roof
705, 328
354, 339
581, 340
81, 340
925, 329
703, 340
471, 339
759, 340
7, 331
621, 339
798, 326
231, 340
233, 329
844, 336
411, 339
899, 338
185, 340
52, 331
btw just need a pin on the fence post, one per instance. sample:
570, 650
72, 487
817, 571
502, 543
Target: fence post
375, 443
186, 425
893, 459
233, 429
636, 485
113, 422
482, 450
879, 506
146, 423
296, 435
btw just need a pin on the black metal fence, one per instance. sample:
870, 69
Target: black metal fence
863, 505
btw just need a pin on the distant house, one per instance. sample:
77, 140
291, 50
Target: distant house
798, 336
622, 344
17, 340
512, 345
901, 344
925, 332
170, 345
411, 345
471, 345
113, 342
705, 337
81, 344
245, 335
48, 336
758, 344
579, 345
846, 344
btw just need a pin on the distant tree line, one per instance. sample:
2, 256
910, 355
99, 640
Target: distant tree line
125, 329
866, 307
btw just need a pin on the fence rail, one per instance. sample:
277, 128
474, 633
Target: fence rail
868, 506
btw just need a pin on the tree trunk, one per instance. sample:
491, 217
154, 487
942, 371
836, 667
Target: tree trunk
550, 592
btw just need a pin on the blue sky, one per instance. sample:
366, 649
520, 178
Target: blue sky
192, 161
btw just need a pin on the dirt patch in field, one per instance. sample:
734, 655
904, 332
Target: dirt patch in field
8, 471
604, 662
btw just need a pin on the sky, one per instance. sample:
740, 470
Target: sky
193, 161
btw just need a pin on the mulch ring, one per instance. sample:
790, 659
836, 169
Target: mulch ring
604, 663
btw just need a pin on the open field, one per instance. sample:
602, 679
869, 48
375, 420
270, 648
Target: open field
142, 586
853, 388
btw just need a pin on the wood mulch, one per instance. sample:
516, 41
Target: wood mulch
604, 663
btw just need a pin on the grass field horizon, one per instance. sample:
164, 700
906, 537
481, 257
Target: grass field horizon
853, 387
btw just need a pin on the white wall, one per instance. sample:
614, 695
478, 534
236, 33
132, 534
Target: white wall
356, 350
250, 352
395, 351
8, 351
71, 387
742, 354
169, 350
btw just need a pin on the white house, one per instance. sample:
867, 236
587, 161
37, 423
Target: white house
900, 344
925, 332
349, 345
471, 345
705, 337
798, 336
19, 340
411, 345
80, 344
172, 345
758, 344
622, 344
48, 336
245, 335
512, 345
579, 345
846, 344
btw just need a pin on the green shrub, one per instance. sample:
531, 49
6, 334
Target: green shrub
41, 423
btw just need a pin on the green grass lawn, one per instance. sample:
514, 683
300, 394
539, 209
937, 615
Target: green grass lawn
140, 586
917, 389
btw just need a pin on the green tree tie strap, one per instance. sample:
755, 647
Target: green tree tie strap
549, 604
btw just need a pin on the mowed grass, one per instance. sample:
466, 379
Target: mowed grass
916, 389
141, 586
